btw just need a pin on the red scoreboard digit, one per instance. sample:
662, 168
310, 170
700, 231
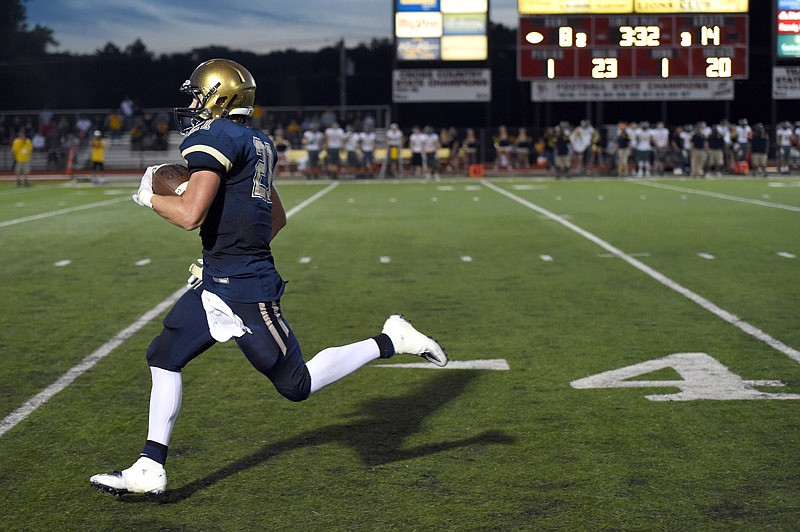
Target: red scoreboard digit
586, 47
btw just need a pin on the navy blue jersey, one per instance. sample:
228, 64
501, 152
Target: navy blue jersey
237, 261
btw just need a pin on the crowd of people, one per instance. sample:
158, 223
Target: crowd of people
641, 149
357, 146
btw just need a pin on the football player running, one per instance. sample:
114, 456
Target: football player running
231, 197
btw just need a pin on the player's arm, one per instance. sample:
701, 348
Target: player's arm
278, 212
189, 210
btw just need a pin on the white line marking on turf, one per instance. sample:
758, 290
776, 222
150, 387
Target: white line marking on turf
84, 365
717, 195
707, 256
62, 263
787, 255
143, 262
466, 258
721, 313
610, 256
385, 260
494, 364
61, 211
305, 260
21, 413
546, 258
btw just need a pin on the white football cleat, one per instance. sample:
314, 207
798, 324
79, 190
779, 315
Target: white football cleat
407, 340
145, 476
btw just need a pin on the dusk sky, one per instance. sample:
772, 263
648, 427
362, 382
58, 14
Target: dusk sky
168, 26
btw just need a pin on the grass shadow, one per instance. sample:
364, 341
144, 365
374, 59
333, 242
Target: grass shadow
376, 434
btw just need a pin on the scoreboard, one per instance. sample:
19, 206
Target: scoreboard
632, 39
633, 46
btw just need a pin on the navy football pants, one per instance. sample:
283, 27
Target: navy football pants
271, 348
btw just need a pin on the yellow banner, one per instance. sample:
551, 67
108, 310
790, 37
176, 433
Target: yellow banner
561, 7
695, 6
605, 7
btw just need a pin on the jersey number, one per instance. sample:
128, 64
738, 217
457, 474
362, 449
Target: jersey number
262, 173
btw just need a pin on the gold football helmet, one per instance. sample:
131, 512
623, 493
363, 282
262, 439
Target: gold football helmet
219, 88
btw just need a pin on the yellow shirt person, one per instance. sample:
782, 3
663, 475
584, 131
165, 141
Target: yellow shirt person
98, 157
22, 149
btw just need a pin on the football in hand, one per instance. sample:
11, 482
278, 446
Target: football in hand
170, 180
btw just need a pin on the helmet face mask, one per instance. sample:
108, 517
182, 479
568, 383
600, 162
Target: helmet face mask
219, 88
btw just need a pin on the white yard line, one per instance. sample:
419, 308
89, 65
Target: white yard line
721, 313
21, 413
717, 195
63, 211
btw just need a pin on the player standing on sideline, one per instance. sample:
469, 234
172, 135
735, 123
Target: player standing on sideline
743, 134
416, 142
394, 151
22, 150
368, 140
783, 138
334, 141
312, 141
232, 199
623, 149
759, 147
699, 150
431, 146
643, 147
661, 144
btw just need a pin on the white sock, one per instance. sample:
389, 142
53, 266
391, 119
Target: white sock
165, 403
334, 363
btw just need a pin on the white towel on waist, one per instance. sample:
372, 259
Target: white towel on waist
223, 323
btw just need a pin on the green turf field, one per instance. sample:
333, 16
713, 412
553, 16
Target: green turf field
589, 291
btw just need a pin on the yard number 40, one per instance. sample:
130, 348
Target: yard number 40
703, 378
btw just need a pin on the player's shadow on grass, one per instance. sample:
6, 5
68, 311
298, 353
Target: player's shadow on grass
377, 436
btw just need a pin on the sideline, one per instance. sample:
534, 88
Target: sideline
717, 195
63, 211
21, 413
721, 313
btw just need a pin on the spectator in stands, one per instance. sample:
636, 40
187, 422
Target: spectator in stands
82, 126
127, 108
114, 125
22, 150
294, 133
